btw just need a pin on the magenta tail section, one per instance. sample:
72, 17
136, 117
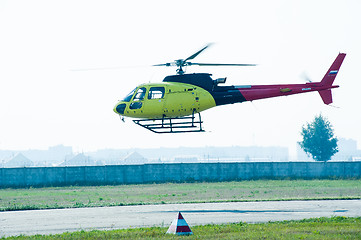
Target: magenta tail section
255, 92
331, 74
326, 96
329, 78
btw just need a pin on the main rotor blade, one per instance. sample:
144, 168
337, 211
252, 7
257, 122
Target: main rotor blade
164, 64
105, 68
222, 64
197, 53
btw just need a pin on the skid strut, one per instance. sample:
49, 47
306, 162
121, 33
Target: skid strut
172, 125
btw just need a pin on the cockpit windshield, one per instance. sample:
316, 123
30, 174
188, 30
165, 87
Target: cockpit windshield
129, 96
140, 94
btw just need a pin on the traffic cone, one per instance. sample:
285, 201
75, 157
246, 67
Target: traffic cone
179, 226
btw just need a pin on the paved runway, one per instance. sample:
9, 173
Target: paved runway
106, 218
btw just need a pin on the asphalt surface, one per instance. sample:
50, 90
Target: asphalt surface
107, 218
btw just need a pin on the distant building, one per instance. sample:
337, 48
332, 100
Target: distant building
347, 150
203, 154
78, 160
134, 158
186, 159
53, 155
19, 160
42, 158
99, 163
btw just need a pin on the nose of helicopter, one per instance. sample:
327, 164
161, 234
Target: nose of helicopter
119, 108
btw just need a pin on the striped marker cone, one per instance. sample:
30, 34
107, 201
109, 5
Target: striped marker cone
179, 226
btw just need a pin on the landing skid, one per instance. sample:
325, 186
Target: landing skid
172, 125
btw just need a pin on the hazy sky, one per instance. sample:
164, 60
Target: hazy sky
44, 103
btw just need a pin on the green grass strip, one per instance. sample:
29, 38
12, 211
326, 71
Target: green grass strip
315, 228
121, 195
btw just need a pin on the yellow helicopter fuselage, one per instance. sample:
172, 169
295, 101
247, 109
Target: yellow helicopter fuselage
166, 99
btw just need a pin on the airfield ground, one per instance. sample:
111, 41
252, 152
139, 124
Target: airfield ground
91, 223
121, 195
316, 228
262, 190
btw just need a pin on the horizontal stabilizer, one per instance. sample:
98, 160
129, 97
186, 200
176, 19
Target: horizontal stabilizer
326, 96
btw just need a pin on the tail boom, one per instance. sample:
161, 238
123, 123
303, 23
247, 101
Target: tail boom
324, 87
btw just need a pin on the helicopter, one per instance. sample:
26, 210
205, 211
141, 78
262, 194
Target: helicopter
174, 105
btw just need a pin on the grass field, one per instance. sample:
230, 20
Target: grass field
317, 228
261, 190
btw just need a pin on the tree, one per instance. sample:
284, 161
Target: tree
318, 139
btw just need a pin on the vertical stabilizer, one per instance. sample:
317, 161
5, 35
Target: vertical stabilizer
331, 74
329, 78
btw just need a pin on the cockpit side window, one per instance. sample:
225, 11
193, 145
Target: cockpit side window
137, 100
129, 96
156, 93
140, 94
